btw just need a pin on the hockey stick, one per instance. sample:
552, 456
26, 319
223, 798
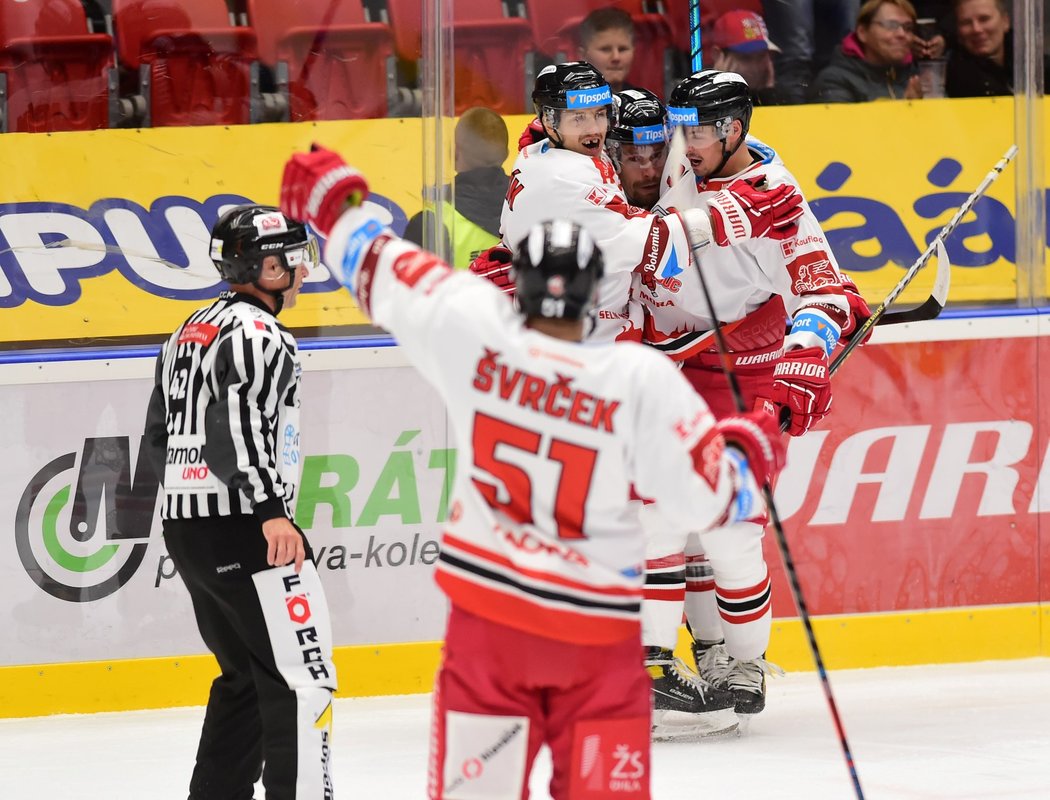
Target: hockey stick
934, 304
782, 544
696, 53
946, 231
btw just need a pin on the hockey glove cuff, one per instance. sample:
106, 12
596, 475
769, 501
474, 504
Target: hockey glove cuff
698, 227
757, 436
802, 388
745, 209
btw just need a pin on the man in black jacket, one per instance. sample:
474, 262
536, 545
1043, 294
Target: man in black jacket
983, 63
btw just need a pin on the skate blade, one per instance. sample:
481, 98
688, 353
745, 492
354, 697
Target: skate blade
675, 726
744, 726
694, 734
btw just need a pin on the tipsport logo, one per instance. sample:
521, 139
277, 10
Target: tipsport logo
82, 530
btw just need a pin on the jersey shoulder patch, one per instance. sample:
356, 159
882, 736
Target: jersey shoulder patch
255, 322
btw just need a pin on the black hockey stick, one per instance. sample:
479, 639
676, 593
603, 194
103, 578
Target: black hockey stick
952, 224
785, 551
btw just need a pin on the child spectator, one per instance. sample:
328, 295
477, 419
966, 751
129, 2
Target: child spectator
607, 42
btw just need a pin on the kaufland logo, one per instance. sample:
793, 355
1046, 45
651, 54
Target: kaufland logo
585, 98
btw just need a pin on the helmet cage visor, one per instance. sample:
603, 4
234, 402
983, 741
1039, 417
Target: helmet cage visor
297, 255
701, 129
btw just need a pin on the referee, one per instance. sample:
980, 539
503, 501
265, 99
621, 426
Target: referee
223, 431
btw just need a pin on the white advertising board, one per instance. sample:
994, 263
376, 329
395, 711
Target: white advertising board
84, 571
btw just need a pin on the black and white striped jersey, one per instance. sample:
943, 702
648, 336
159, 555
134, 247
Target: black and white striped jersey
223, 420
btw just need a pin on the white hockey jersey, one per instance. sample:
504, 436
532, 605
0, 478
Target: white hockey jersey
551, 437
550, 183
742, 278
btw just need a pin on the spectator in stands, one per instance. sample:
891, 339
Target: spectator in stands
808, 32
740, 43
875, 61
983, 63
607, 42
473, 208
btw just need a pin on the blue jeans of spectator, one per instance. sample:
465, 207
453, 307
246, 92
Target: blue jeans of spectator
807, 32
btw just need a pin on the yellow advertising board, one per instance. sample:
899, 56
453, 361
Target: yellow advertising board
86, 216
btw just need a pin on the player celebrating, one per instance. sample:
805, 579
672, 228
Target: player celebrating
568, 175
758, 286
541, 557
637, 145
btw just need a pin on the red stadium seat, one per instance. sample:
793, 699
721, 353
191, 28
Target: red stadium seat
339, 66
196, 68
556, 26
56, 73
491, 51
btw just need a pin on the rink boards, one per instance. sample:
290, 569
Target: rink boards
86, 215
914, 518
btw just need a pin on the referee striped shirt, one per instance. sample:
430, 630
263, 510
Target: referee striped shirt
223, 420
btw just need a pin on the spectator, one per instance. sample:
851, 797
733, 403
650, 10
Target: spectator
983, 63
607, 42
475, 204
875, 61
808, 32
740, 43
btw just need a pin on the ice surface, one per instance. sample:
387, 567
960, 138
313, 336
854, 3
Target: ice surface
949, 731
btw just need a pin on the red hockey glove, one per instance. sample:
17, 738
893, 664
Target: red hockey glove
746, 210
802, 386
858, 311
317, 187
494, 265
757, 436
533, 133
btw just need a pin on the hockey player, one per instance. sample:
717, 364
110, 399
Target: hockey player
568, 175
541, 558
685, 706
761, 289
222, 429
637, 145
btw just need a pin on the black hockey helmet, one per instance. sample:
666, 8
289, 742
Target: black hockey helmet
574, 84
711, 97
557, 267
245, 235
641, 118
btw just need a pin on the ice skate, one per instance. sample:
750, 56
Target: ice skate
684, 706
745, 679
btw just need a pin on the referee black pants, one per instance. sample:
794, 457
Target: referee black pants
269, 712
